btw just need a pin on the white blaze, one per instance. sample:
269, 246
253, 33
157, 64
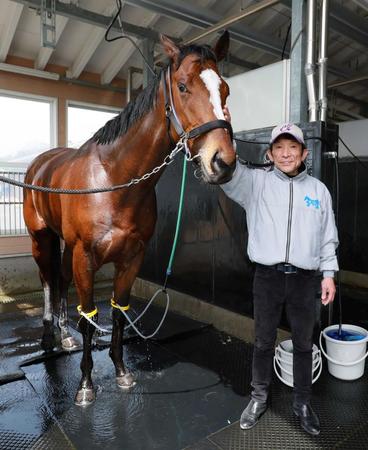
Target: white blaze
212, 82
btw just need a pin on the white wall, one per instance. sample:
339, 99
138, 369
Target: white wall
355, 135
260, 98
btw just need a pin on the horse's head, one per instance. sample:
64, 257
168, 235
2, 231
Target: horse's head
198, 96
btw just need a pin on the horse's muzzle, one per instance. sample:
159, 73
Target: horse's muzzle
221, 172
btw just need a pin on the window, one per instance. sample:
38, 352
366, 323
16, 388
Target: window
27, 126
84, 120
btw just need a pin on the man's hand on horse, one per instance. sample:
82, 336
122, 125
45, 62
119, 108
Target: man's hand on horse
227, 113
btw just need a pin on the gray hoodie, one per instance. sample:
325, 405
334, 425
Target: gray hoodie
289, 219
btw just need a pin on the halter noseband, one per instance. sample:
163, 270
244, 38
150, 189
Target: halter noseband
173, 118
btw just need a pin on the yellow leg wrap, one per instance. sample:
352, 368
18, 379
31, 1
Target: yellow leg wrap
115, 305
90, 314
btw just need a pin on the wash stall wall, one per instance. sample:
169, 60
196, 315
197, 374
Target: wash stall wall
353, 216
353, 211
211, 261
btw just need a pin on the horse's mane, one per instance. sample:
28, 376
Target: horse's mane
145, 100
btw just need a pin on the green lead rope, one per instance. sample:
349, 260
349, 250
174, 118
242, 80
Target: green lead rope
178, 221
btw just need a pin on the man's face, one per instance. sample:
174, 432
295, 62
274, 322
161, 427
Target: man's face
287, 155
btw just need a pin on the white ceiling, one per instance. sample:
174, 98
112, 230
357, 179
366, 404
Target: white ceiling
81, 46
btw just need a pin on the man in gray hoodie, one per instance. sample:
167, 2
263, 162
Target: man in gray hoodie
292, 237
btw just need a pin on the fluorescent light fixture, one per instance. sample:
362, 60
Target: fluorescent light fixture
29, 71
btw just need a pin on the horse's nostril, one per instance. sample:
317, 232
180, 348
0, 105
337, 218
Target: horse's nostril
216, 158
218, 162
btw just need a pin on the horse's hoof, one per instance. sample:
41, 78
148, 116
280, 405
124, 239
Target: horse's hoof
85, 397
125, 381
70, 344
48, 342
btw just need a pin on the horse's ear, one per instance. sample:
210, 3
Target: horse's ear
170, 48
222, 46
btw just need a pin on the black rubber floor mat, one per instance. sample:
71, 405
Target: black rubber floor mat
174, 403
21, 333
20, 341
341, 405
26, 422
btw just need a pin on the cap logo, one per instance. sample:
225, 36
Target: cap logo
286, 127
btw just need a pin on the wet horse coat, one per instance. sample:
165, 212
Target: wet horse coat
115, 226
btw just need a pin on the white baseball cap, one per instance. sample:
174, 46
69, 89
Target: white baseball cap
287, 128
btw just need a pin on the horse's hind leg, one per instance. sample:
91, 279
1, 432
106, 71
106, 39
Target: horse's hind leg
123, 281
68, 342
83, 280
46, 252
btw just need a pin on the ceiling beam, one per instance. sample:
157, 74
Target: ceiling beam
345, 22
45, 53
12, 18
345, 82
204, 18
72, 11
237, 17
348, 23
348, 98
86, 52
96, 36
124, 53
347, 115
362, 4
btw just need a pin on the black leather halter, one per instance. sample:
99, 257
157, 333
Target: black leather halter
172, 117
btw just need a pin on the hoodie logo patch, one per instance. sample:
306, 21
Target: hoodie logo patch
310, 202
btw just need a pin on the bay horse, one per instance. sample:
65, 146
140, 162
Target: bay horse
186, 101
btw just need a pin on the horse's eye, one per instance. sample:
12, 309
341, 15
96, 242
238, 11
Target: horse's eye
182, 87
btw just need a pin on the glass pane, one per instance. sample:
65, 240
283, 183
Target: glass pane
84, 122
24, 128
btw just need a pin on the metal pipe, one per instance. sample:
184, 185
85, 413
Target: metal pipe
322, 61
309, 68
129, 85
362, 4
232, 19
343, 83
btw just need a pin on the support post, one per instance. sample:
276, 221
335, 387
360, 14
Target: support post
148, 53
298, 87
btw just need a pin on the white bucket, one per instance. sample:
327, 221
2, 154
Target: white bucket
283, 362
346, 359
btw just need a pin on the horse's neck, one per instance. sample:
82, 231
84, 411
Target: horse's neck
143, 147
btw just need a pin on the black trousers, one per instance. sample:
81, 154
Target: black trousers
272, 291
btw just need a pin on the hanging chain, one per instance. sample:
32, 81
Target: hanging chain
180, 146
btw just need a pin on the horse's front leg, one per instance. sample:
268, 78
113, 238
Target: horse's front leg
68, 342
123, 281
83, 280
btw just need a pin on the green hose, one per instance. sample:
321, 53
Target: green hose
178, 220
